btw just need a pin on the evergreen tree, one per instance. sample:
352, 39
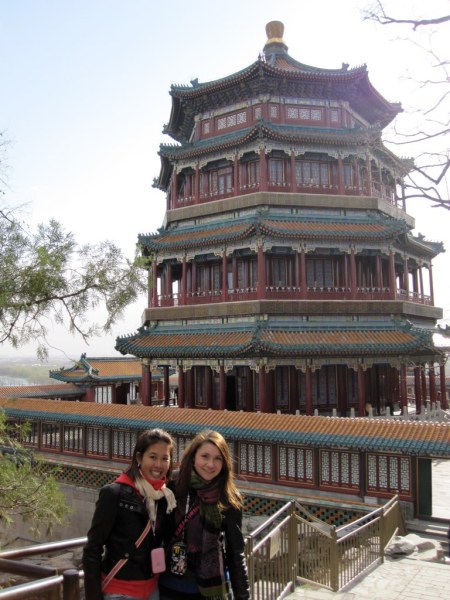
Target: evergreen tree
28, 490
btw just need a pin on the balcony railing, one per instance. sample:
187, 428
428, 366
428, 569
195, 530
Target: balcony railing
413, 297
280, 292
384, 192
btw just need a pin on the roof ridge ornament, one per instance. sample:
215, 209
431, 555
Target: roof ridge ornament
274, 31
275, 43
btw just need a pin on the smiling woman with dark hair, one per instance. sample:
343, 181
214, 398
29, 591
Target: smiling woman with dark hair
122, 556
205, 550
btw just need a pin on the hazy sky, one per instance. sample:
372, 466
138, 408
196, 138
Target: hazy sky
85, 94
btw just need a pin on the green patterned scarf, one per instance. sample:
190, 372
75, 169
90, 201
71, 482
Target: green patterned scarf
211, 568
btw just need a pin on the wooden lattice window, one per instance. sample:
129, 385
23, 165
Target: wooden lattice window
73, 438
50, 436
255, 460
390, 474
339, 469
97, 442
123, 443
295, 464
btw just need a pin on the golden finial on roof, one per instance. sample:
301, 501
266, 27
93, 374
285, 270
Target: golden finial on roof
274, 31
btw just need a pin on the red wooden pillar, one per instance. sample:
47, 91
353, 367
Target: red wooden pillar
444, 401
309, 409
262, 170
149, 287
361, 392
270, 384
222, 388
236, 176
234, 272
379, 274
369, 176
406, 277
415, 283
352, 274
155, 283
166, 385
89, 395
173, 190
261, 267
184, 281
342, 390
180, 387
430, 274
403, 387
432, 383
189, 399
197, 185
294, 403
293, 173
194, 276
208, 387
250, 388
423, 383
341, 186
417, 389
392, 284
168, 286
303, 280
224, 277
145, 390
262, 389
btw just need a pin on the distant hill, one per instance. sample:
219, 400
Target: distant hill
27, 370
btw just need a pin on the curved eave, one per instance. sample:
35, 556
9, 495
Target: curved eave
290, 340
333, 230
378, 110
282, 133
294, 227
197, 237
424, 247
181, 94
420, 438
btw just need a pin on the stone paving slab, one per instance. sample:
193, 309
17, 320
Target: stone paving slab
395, 579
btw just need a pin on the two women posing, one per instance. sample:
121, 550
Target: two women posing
202, 535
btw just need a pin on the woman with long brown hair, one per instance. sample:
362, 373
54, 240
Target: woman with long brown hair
205, 549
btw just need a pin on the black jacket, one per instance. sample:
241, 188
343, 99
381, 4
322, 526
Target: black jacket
233, 546
119, 519
234, 553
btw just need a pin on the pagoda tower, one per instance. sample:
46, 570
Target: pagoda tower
285, 276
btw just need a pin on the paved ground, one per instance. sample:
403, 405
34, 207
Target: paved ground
410, 578
399, 579
417, 577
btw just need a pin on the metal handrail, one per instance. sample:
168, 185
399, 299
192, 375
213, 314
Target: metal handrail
69, 580
274, 564
44, 548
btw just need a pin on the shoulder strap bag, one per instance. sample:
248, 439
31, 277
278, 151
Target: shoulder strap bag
119, 564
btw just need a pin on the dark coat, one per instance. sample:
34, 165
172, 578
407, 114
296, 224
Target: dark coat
234, 553
233, 541
119, 519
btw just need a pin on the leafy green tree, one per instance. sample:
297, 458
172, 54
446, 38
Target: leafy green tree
27, 490
45, 275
